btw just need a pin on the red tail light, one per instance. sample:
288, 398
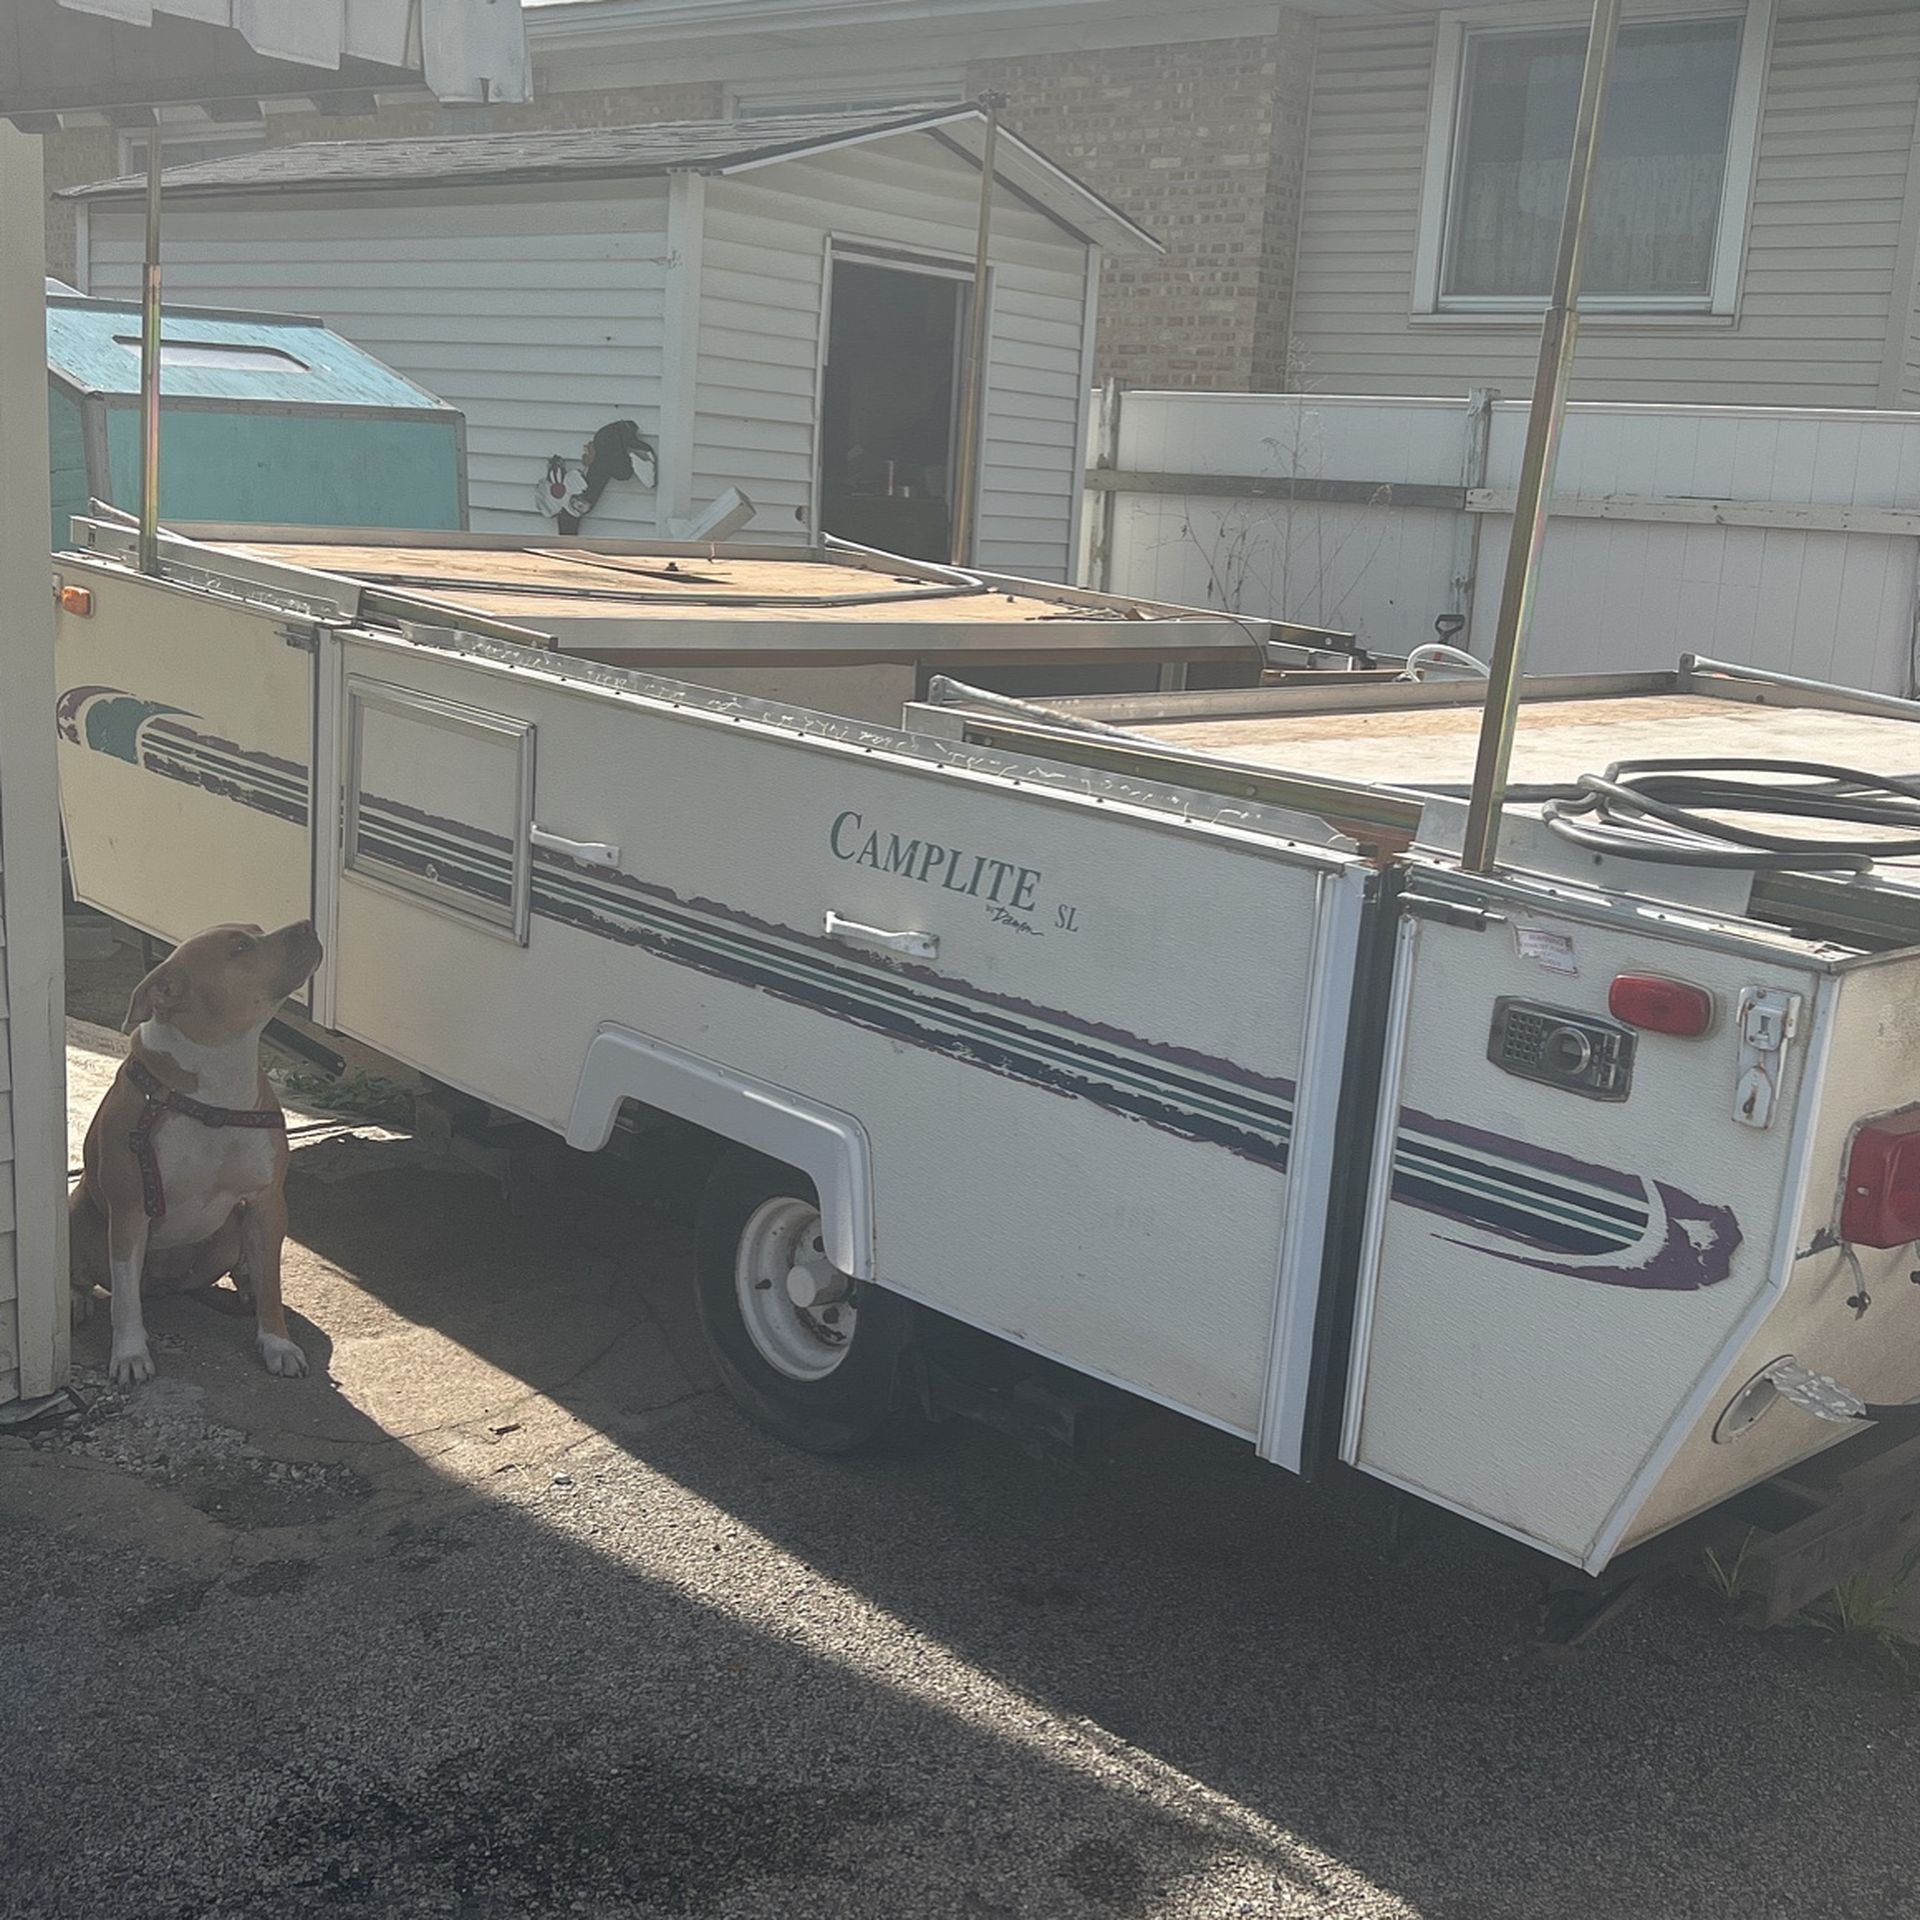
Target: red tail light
1881, 1205
1659, 1005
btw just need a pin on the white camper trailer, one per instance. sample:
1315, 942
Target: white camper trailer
1643, 1145
1157, 1035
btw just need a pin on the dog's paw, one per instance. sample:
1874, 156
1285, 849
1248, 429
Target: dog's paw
281, 1356
130, 1367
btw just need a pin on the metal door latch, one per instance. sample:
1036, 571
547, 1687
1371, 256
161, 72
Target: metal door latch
914, 945
1768, 1021
592, 853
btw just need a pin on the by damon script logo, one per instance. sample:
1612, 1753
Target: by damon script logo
1009, 891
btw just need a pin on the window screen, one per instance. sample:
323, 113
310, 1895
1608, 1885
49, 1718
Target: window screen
1658, 187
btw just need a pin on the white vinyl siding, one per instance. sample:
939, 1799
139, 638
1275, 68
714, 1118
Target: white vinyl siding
543, 315
1822, 249
874, 93
763, 267
1910, 369
9, 1258
1903, 358
540, 317
34, 1301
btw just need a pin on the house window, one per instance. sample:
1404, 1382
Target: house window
193, 140
1667, 215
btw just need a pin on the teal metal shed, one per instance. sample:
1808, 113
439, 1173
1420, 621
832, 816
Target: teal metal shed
265, 419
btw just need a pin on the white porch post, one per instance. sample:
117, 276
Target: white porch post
33, 1068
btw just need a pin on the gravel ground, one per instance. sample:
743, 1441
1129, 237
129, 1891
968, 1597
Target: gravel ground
504, 1614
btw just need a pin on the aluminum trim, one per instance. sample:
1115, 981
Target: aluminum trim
324, 816
1380, 1189
1340, 906
1164, 807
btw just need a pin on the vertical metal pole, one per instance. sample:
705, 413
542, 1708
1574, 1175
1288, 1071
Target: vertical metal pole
1106, 460
1473, 474
1557, 334
966, 460
150, 367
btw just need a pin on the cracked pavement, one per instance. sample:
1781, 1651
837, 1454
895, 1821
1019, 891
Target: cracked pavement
503, 1613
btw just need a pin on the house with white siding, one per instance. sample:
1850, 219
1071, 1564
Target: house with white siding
1326, 176
1754, 218
779, 305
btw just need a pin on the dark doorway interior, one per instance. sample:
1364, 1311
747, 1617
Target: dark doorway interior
887, 408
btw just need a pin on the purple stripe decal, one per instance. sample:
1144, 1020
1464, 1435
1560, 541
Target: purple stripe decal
1691, 1246
1507, 1148
1008, 1057
281, 806
212, 743
1027, 1012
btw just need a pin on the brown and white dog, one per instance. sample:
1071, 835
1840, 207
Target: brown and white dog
186, 1160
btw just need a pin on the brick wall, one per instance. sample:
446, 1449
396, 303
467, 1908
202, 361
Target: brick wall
1202, 142
72, 159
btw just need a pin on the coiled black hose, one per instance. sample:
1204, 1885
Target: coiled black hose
1666, 810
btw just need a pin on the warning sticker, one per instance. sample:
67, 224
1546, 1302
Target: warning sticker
1546, 948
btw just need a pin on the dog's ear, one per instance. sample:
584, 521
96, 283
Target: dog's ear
158, 995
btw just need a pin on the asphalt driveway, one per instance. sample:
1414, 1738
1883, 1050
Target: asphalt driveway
503, 1612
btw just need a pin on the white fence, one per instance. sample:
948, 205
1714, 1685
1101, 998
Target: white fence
1786, 538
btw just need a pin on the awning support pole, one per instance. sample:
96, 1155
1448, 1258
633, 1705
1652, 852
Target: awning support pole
966, 458
150, 366
1534, 496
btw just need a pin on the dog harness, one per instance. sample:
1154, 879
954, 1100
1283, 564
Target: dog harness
161, 1098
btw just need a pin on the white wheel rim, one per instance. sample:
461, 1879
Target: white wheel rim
781, 1259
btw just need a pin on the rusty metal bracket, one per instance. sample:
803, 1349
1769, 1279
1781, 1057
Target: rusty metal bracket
1866, 1521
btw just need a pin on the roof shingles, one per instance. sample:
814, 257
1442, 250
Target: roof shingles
504, 158
627, 153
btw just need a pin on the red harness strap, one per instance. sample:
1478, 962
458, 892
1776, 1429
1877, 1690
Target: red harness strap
161, 1098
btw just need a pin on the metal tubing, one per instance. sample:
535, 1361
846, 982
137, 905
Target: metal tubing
1859, 697
150, 367
1558, 332
966, 460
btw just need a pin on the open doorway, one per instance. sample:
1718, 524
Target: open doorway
888, 406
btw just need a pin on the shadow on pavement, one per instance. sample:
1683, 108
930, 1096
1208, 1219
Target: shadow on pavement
516, 1618
262, 1658
1225, 1624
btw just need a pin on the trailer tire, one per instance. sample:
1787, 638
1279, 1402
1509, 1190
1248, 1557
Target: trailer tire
821, 1375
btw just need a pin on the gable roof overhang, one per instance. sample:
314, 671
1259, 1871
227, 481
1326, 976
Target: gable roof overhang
713, 147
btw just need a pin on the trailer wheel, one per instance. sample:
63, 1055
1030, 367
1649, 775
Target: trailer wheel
806, 1353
